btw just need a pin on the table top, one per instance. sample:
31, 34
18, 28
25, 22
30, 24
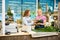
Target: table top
15, 34
40, 34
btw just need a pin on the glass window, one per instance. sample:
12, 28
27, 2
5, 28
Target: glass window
49, 3
0, 16
14, 11
12, 15
30, 5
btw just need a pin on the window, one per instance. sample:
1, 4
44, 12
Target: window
0, 16
30, 5
14, 11
12, 15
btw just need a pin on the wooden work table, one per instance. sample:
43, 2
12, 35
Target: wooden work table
33, 34
27, 36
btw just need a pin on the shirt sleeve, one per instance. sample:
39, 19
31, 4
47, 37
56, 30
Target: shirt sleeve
25, 22
44, 18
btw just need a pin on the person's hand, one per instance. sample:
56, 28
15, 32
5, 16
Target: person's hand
34, 23
40, 24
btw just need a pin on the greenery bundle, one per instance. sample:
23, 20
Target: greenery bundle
9, 12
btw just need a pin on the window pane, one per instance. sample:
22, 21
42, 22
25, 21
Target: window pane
50, 4
0, 16
30, 5
12, 14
